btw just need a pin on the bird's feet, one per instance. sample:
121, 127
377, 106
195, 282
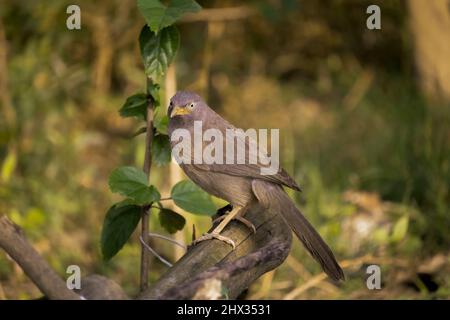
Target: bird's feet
235, 213
244, 221
213, 235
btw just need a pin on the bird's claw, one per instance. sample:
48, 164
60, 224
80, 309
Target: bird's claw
210, 236
247, 223
244, 221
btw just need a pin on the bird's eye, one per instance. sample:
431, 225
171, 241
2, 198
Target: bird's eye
191, 105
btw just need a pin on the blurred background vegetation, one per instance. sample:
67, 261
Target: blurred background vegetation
364, 118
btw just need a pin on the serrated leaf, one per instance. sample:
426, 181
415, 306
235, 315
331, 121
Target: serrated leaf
135, 106
171, 221
161, 151
119, 224
191, 198
159, 50
159, 16
132, 182
161, 120
400, 229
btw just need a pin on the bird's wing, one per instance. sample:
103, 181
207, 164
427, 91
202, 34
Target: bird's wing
248, 169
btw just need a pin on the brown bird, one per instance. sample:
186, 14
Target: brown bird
242, 184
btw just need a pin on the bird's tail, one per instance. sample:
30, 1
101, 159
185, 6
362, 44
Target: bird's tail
274, 198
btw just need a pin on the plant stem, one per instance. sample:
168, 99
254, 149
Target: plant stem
160, 236
145, 258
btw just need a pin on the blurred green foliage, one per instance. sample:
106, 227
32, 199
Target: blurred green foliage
371, 153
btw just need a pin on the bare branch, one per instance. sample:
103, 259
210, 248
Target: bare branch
274, 252
96, 287
236, 269
220, 14
175, 242
156, 254
13, 241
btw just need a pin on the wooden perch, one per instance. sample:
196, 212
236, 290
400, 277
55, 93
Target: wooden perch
214, 265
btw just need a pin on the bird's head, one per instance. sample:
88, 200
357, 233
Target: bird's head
185, 104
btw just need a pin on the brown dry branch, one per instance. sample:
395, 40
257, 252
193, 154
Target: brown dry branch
93, 287
271, 253
220, 14
96, 287
13, 241
255, 254
346, 264
207, 270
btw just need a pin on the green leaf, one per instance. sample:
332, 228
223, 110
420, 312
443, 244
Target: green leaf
135, 106
154, 196
125, 202
381, 236
124, 179
153, 90
161, 120
158, 51
171, 221
139, 132
132, 182
400, 229
120, 222
159, 16
9, 165
191, 198
161, 151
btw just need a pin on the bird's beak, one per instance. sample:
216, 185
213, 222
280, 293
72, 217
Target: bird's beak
179, 111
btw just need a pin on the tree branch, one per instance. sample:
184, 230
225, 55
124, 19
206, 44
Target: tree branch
93, 287
13, 241
96, 287
220, 14
206, 271
272, 253
232, 271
